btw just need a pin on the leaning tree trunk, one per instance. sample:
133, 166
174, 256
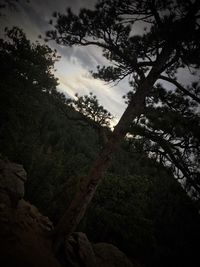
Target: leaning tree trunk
83, 196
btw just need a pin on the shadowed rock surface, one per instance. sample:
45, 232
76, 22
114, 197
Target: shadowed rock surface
12, 179
108, 255
24, 232
22, 227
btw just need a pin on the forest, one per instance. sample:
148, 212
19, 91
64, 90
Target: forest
135, 185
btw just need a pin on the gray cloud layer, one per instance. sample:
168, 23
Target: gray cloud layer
74, 66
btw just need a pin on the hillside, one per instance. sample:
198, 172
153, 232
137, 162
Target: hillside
139, 207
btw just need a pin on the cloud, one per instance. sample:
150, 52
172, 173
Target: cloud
82, 82
76, 62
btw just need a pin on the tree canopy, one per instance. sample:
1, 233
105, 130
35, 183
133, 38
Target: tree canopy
149, 42
89, 106
139, 206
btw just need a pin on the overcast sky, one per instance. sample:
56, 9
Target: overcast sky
73, 70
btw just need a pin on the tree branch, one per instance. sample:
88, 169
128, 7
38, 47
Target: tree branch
166, 146
180, 87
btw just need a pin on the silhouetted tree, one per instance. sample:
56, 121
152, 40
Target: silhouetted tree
89, 106
26, 76
171, 122
168, 42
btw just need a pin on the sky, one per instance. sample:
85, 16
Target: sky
73, 69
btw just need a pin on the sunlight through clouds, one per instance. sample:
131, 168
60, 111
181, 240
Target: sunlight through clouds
73, 69
82, 82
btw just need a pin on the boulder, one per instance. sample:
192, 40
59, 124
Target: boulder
80, 252
23, 229
108, 255
12, 179
28, 216
24, 237
24, 232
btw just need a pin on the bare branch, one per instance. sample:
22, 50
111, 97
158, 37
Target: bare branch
180, 87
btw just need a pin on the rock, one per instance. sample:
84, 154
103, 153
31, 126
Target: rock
85, 250
24, 232
79, 251
12, 179
108, 255
23, 237
30, 216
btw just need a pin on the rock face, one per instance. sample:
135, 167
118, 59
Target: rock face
108, 255
24, 232
12, 179
80, 252
23, 229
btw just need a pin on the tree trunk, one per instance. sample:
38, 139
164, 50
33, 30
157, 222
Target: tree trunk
83, 196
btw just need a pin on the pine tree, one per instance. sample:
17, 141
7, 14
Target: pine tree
168, 42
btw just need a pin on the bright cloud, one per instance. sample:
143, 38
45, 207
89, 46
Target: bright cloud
82, 82
76, 62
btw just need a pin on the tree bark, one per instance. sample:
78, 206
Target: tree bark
84, 195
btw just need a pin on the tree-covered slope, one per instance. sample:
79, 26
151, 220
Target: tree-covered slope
139, 206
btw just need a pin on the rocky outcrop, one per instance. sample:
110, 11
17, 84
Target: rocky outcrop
23, 229
12, 179
80, 252
23, 237
24, 232
13, 209
108, 255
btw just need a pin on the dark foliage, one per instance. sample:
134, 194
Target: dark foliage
140, 207
135, 37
